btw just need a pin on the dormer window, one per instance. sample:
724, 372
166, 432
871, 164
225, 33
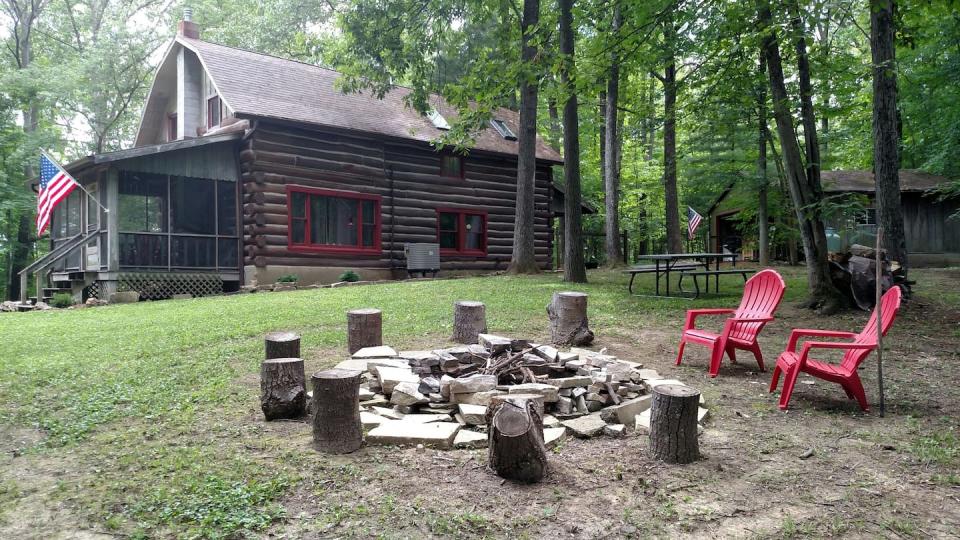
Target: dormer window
451, 166
214, 112
502, 129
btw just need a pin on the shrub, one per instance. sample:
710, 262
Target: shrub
350, 276
62, 300
288, 278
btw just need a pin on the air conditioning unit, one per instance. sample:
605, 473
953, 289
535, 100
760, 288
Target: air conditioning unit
422, 258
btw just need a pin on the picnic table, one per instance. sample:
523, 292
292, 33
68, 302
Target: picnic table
687, 264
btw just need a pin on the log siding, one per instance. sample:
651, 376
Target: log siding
406, 177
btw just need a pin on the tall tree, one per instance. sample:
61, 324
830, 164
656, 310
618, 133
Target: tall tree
805, 191
763, 217
523, 257
611, 157
574, 268
886, 137
669, 81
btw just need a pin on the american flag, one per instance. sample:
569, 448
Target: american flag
693, 221
55, 185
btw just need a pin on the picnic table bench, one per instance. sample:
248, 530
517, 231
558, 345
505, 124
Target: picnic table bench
655, 269
744, 272
665, 263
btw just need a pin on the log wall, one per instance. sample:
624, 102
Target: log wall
407, 178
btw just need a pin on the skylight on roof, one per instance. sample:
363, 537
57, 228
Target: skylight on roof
438, 120
502, 129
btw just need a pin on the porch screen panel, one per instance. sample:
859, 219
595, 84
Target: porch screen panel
193, 251
193, 206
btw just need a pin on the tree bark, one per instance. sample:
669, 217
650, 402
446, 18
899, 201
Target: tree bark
364, 329
568, 319
469, 320
515, 439
574, 269
763, 216
805, 191
673, 423
611, 170
670, 193
281, 345
523, 258
336, 400
886, 137
282, 388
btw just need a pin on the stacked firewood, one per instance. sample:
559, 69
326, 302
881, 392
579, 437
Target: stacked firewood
854, 272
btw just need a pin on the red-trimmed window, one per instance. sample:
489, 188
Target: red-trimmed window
451, 166
333, 221
214, 113
462, 232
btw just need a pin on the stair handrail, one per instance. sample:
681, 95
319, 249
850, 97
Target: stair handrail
49, 259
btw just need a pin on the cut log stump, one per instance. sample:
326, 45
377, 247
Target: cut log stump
568, 319
364, 329
336, 402
469, 321
515, 439
283, 392
282, 345
673, 423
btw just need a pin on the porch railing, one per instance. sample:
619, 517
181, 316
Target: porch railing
43, 263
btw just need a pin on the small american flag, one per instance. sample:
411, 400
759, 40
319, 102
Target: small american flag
55, 185
693, 221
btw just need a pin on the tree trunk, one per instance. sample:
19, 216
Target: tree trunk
886, 157
336, 400
523, 258
556, 131
807, 116
282, 388
568, 319
673, 423
281, 345
670, 194
763, 217
515, 439
573, 265
805, 191
364, 329
611, 170
469, 320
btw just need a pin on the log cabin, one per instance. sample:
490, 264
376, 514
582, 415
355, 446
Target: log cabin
247, 167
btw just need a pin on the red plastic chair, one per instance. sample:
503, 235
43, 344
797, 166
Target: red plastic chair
791, 363
761, 296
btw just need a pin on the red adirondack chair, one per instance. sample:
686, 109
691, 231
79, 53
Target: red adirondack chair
761, 296
791, 363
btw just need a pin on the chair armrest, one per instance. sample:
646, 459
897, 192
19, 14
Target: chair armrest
692, 315
797, 333
751, 319
808, 345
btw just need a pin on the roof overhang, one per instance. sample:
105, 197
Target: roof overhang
75, 167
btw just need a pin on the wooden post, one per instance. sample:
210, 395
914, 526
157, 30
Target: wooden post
515, 439
281, 345
336, 400
364, 329
568, 319
673, 423
469, 320
283, 392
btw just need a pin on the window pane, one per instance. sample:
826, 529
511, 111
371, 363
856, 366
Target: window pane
369, 215
192, 205
298, 204
448, 222
143, 250
226, 208
142, 203
192, 251
448, 240
227, 253
72, 203
474, 230
298, 231
451, 166
333, 221
93, 211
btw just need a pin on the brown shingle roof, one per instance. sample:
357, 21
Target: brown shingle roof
862, 181
260, 85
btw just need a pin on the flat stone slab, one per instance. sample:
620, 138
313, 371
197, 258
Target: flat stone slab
389, 414
586, 426
426, 418
615, 430
369, 420
476, 398
406, 394
642, 422
493, 343
376, 352
625, 412
551, 436
390, 377
432, 434
547, 352
549, 392
702, 414
474, 415
470, 439
550, 421
374, 364
472, 384
418, 356
569, 382
352, 364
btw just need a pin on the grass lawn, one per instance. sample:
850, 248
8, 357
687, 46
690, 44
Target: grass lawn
143, 421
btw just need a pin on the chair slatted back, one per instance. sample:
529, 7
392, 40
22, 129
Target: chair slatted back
761, 296
889, 306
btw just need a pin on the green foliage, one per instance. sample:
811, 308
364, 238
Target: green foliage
62, 300
350, 276
288, 278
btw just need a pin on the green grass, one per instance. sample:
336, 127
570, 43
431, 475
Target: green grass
149, 395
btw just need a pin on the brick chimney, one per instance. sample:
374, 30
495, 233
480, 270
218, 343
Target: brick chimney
187, 28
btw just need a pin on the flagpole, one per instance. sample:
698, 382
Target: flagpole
79, 185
